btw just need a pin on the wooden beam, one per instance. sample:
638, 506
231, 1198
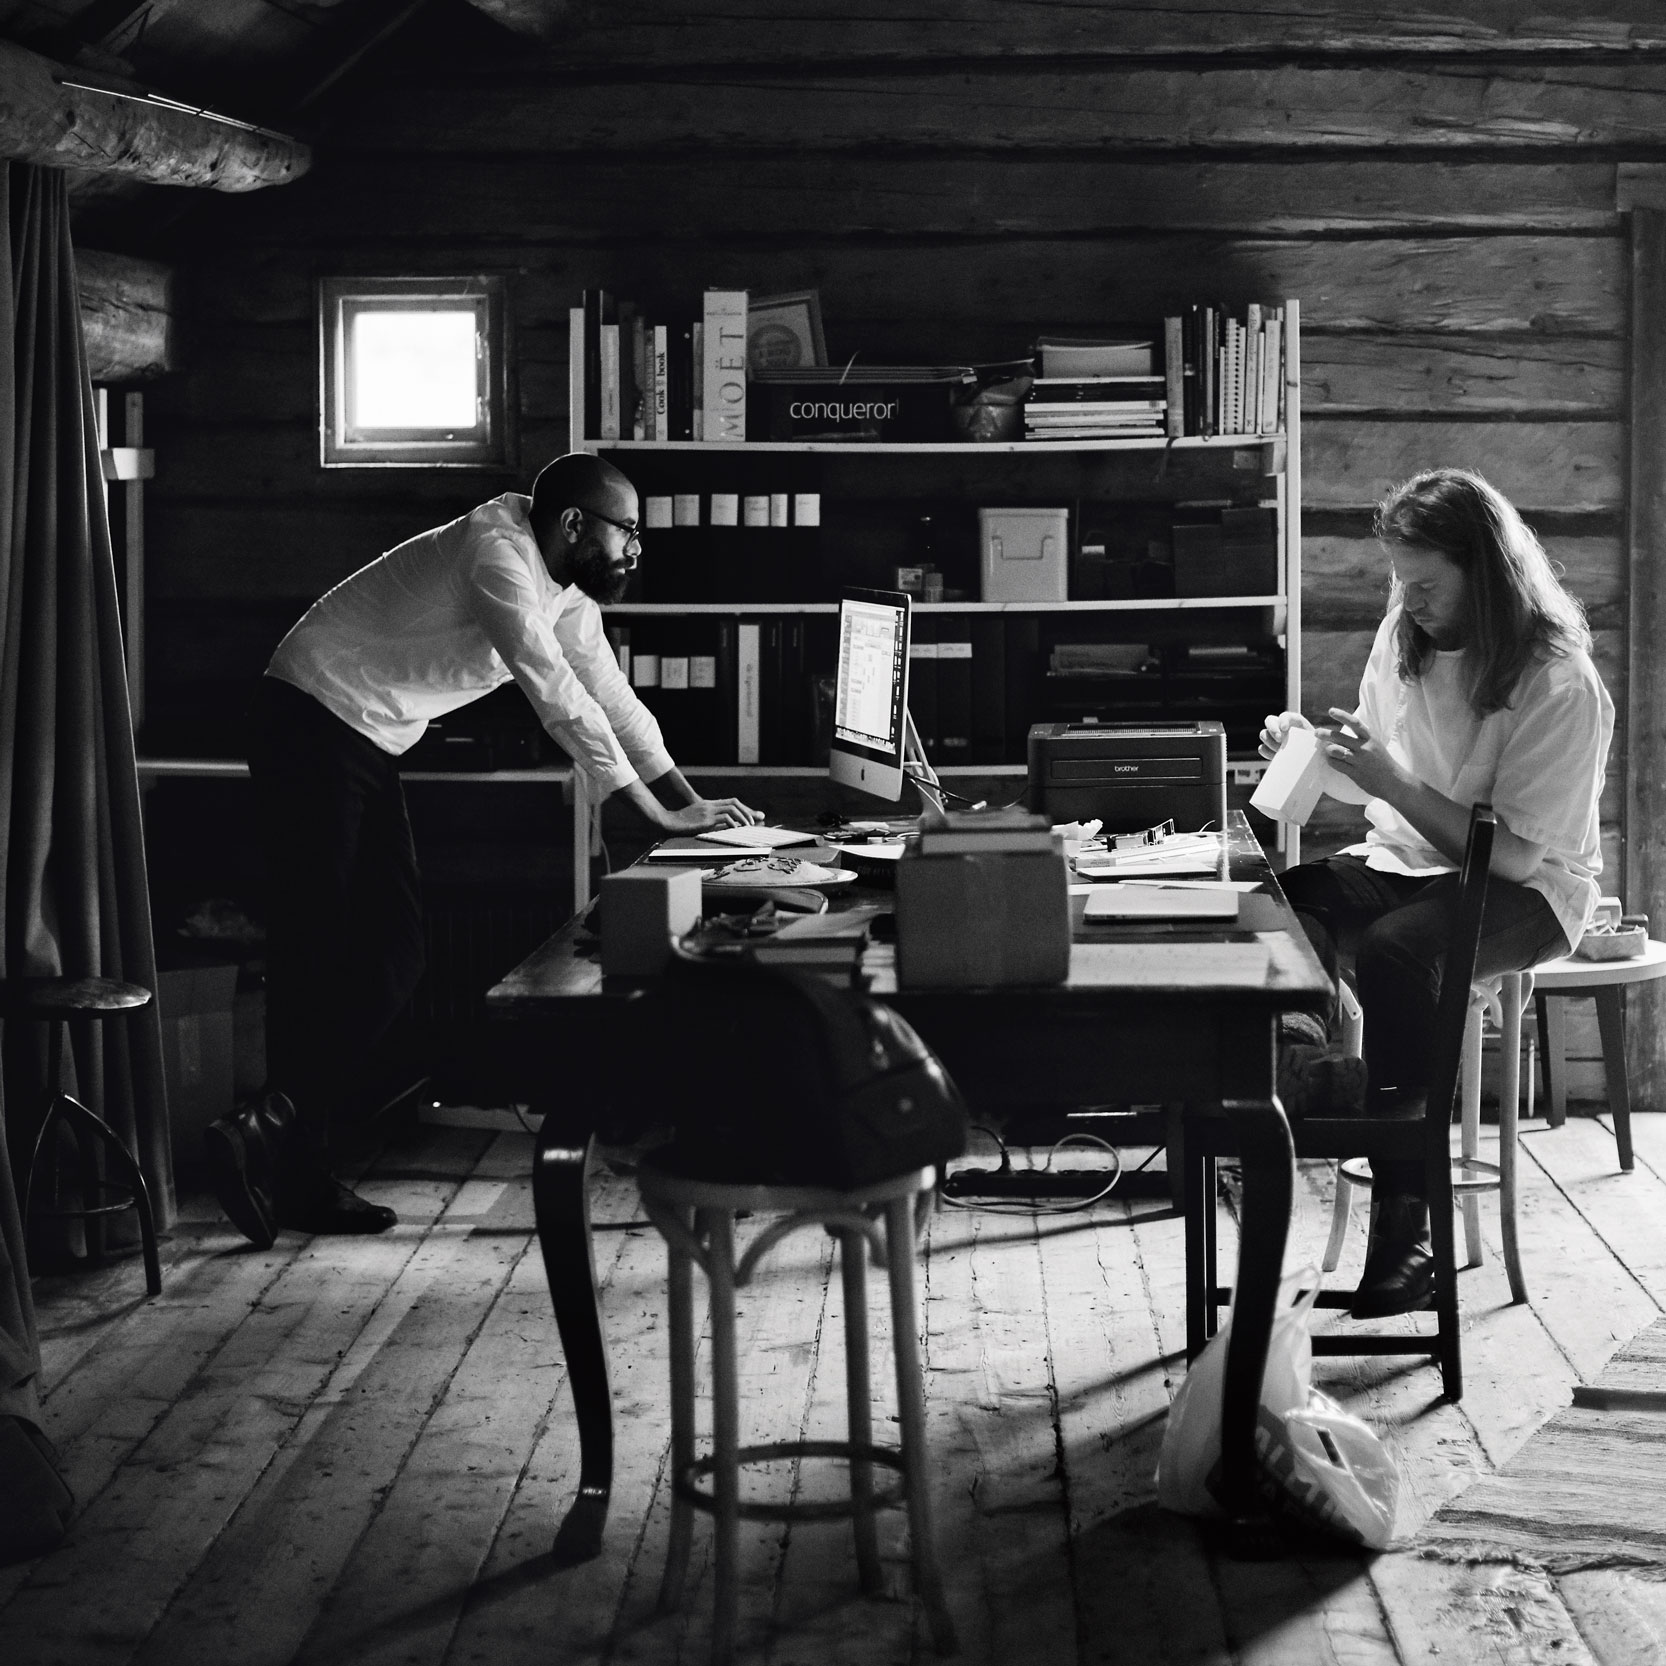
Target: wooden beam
126, 316
1645, 707
45, 118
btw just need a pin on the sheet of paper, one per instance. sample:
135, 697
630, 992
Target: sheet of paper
1138, 901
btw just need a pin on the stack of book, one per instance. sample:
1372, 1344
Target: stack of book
1095, 389
1225, 375
675, 381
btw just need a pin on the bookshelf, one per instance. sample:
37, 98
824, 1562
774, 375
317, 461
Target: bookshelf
711, 593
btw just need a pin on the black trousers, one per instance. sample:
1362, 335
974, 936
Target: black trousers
344, 940
1397, 929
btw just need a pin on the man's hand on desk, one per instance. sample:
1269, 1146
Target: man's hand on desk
706, 813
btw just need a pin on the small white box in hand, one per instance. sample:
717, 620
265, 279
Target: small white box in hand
1299, 775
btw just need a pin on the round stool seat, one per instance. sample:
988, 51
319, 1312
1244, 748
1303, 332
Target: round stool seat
1570, 974
70, 997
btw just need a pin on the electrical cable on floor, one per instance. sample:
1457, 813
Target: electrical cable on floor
1074, 1206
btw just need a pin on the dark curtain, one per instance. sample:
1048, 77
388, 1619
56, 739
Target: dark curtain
73, 893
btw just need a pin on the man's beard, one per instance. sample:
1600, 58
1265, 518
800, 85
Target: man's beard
595, 572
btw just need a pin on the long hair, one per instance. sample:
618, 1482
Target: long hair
1517, 606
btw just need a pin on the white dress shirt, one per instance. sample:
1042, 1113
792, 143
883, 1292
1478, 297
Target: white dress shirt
453, 613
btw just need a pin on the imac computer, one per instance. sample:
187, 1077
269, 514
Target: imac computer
875, 745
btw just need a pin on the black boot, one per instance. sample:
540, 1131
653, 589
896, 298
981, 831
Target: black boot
248, 1153
311, 1199
1399, 1275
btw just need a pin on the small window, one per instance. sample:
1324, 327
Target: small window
412, 372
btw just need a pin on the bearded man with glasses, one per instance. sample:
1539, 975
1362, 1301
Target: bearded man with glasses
511, 590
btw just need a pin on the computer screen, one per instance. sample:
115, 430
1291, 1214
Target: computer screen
870, 702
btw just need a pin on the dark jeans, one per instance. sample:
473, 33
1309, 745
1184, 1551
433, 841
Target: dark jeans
1397, 929
344, 941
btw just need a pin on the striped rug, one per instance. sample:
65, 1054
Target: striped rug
1588, 1490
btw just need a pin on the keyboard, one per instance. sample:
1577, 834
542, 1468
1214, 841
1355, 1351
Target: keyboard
771, 837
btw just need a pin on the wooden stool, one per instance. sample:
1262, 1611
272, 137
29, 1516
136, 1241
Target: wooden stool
55, 1001
1506, 996
1606, 980
697, 1220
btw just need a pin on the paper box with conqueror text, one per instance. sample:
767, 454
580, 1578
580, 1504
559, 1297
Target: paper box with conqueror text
196, 1004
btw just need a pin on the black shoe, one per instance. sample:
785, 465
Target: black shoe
318, 1203
247, 1153
1399, 1275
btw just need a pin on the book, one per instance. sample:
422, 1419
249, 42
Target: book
748, 668
1272, 385
1095, 356
598, 309
611, 390
723, 363
660, 379
641, 354
697, 387
1174, 358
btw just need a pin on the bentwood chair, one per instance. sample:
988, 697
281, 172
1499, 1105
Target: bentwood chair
1378, 1138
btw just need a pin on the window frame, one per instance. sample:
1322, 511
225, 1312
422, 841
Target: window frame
489, 444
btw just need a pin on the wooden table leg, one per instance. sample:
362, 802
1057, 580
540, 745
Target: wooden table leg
1269, 1168
560, 1169
1611, 1020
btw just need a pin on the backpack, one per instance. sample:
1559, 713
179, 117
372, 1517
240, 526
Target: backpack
779, 1076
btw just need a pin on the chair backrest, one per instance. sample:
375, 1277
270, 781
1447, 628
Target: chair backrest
1458, 973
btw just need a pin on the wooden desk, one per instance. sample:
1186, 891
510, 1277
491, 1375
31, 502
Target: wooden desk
1144, 1016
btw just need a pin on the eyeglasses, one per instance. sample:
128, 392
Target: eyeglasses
632, 532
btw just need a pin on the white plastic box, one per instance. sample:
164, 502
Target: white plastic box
1024, 554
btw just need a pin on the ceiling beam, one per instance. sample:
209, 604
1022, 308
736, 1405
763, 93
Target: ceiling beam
51, 114
127, 316
544, 20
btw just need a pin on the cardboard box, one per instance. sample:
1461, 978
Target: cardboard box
196, 1007
642, 909
992, 920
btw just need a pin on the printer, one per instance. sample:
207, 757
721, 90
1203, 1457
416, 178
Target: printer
1129, 775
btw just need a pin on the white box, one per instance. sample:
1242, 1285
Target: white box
1024, 554
642, 909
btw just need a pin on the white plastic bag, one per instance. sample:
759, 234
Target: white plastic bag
1318, 1465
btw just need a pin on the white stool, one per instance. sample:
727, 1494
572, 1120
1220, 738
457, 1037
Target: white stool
697, 1220
1606, 981
1507, 997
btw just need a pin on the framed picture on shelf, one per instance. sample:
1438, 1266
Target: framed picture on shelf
783, 332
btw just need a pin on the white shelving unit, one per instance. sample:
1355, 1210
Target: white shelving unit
1275, 457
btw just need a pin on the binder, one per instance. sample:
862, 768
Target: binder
989, 688
922, 679
954, 689
748, 693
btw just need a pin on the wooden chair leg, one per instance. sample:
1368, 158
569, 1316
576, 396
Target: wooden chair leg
1611, 1021
853, 1268
1470, 1134
1443, 1240
719, 1225
680, 1305
1509, 1094
911, 1416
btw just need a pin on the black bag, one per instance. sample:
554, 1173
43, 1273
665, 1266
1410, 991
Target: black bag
778, 1076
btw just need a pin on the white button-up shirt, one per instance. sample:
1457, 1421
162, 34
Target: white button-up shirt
1539, 762
451, 614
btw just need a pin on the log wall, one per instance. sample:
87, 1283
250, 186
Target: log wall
1437, 186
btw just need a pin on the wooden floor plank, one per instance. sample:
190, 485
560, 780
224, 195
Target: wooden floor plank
187, 1400
346, 1452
